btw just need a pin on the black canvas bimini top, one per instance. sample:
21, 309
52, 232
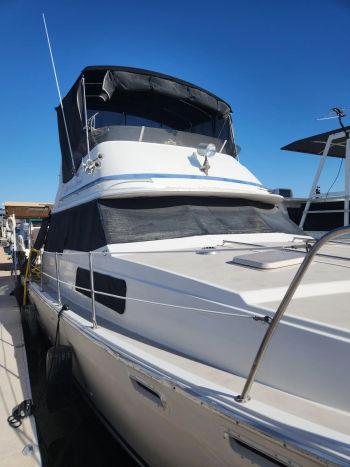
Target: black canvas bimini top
316, 144
104, 80
143, 93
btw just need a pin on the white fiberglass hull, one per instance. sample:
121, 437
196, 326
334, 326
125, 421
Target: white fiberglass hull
164, 420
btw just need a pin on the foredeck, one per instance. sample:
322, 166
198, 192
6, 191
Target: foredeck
322, 296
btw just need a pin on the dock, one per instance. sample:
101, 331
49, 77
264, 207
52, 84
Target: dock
18, 446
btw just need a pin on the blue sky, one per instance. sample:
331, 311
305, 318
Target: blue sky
281, 64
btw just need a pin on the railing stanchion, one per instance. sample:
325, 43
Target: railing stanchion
283, 306
41, 270
94, 323
58, 279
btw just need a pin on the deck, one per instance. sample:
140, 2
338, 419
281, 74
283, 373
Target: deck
327, 280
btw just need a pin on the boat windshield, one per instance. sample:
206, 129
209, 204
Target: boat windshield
106, 125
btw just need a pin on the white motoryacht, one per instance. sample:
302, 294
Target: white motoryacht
171, 259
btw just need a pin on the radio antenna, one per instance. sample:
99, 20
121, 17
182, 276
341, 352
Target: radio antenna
335, 112
338, 112
59, 95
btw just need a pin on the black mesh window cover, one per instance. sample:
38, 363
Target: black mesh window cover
147, 219
110, 221
103, 283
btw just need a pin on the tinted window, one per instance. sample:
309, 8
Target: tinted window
103, 283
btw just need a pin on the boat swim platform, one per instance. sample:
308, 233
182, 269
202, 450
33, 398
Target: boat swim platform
18, 446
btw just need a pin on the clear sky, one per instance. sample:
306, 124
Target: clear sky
280, 63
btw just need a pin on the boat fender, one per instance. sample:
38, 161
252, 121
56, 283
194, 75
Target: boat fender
58, 371
59, 377
30, 319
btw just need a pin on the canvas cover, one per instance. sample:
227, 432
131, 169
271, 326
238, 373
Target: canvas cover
142, 92
316, 144
101, 222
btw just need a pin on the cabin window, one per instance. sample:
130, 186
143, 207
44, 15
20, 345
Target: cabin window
103, 283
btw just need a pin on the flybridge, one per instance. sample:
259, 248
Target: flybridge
172, 111
128, 132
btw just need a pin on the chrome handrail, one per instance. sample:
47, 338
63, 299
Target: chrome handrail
58, 287
58, 279
41, 254
244, 397
92, 288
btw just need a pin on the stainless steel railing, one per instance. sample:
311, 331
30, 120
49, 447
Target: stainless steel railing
244, 397
57, 266
92, 287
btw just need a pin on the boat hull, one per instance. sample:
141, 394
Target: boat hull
162, 423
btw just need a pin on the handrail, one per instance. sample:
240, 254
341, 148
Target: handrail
92, 287
217, 249
244, 397
58, 279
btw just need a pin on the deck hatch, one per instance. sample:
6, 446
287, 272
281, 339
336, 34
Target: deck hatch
270, 259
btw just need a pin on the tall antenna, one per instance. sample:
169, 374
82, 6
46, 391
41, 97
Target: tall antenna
338, 112
59, 95
335, 112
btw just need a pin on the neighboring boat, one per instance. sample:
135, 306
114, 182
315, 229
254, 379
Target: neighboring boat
322, 212
188, 257
329, 210
21, 223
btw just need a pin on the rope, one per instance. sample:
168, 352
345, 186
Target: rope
22, 410
28, 273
